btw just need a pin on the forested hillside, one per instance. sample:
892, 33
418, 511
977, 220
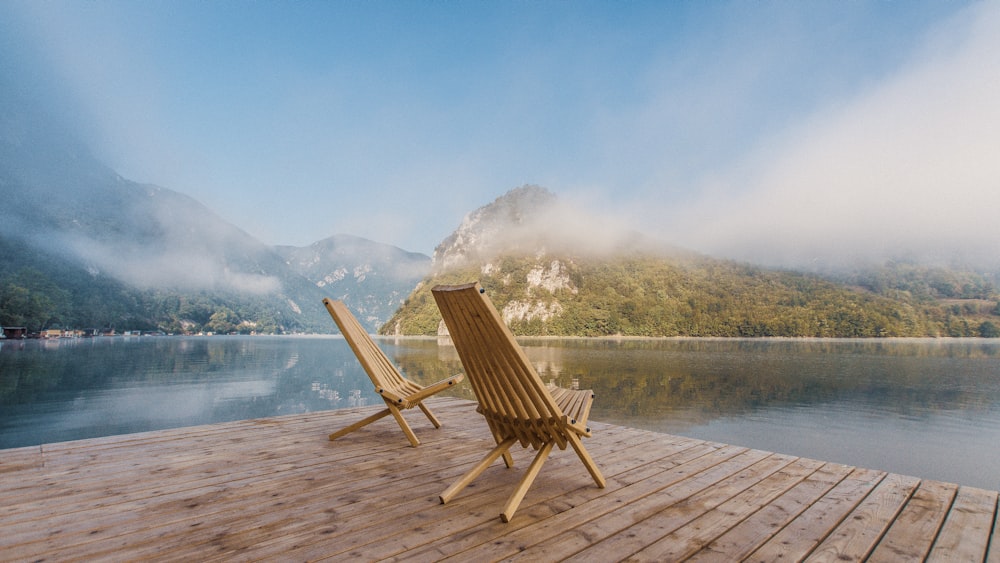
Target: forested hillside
670, 293
648, 296
42, 291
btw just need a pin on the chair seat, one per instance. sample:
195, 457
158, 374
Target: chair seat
575, 404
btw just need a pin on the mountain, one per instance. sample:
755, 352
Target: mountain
82, 247
370, 277
554, 270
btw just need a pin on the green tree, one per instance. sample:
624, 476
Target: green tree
31, 300
223, 321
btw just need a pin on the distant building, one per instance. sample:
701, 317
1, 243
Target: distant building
15, 332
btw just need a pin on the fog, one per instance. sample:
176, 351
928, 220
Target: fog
179, 268
909, 169
190, 249
784, 134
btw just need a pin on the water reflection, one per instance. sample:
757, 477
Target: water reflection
80, 388
648, 379
929, 408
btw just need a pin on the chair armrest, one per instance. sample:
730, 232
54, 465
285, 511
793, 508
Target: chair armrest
434, 388
575, 405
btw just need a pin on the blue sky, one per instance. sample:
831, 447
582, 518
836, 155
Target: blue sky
778, 132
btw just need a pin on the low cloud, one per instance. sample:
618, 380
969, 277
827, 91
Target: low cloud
174, 268
569, 225
532, 221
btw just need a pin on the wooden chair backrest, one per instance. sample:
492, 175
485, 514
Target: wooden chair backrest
511, 395
379, 368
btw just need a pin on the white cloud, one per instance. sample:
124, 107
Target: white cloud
182, 269
909, 167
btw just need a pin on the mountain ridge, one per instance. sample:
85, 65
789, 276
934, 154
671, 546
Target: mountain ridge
81, 246
75, 234
630, 286
371, 277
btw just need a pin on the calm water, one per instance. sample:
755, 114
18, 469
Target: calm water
929, 408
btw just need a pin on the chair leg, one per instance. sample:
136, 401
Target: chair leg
430, 415
529, 477
457, 486
359, 424
398, 415
588, 461
508, 460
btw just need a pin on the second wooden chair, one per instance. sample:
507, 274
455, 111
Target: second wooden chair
398, 392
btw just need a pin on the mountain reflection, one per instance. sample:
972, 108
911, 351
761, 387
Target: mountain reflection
697, 380
684, 381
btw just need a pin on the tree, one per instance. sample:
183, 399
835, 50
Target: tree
29, 299
989, 330
223, 321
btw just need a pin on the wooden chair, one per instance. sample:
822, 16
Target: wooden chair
517, 406
397, 391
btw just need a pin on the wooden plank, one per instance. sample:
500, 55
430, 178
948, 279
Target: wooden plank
552, 516
993, 556
19, 459
437, 521
687, 540
650, 501
177, 472
296, 517
861, 530
69, 460
966, 530
643, 535
805, 532
229, 500
745, 537
618, 497
277, 489
241, 441
213, 500
207, 464
109, 502
913, 532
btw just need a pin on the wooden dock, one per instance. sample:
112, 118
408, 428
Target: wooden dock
277, 489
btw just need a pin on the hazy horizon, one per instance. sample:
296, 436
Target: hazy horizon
782, 134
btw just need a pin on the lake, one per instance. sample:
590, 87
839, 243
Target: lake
929, 408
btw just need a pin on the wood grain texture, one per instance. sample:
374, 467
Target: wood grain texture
278, 489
